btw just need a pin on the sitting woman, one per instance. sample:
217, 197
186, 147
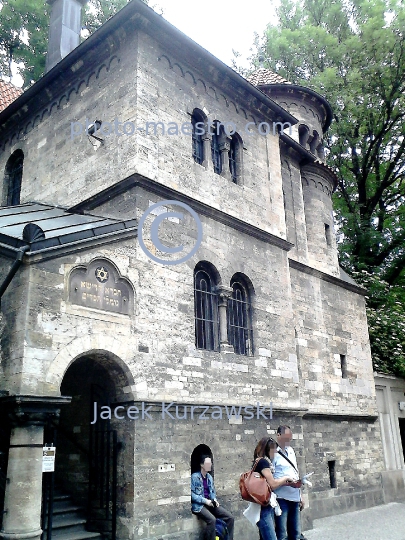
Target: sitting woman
266, 449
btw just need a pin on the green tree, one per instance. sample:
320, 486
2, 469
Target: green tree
353, 53
23, 37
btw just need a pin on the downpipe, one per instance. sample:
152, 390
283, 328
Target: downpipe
13, 270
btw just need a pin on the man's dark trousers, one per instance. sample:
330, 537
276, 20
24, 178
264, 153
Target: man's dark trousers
288, 524
209, 515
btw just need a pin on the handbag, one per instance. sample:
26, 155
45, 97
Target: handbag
254, 487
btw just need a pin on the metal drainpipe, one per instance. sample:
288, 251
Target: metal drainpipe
13, 270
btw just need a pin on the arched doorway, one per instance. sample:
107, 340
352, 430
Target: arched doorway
199, 451
95, 455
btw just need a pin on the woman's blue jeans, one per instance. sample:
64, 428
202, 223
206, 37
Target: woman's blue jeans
266, 524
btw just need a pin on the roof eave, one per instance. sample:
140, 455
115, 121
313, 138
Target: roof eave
326, 104
137, 6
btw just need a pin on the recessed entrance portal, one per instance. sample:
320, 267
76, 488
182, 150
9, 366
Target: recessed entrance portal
94, 459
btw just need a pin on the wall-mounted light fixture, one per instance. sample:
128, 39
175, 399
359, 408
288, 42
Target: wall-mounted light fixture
93, 128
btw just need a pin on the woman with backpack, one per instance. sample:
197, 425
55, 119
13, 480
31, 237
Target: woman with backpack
266, 449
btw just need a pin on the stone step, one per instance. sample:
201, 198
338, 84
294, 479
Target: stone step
69, 519
66, 508
68, 524
60, 507
75, 536
61, 497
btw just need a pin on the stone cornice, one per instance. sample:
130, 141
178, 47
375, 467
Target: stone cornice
168, 193
326, 277
291, 144
303, 93
341, 416
101, 49
318, 170
72, 247
32, 409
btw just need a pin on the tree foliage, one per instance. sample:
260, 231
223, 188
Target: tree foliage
23, 37
353, 53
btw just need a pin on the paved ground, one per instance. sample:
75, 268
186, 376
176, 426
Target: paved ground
385, 522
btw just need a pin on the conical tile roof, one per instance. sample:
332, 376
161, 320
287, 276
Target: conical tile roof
264, 76
8, 93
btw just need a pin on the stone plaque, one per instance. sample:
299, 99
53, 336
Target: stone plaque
100, 286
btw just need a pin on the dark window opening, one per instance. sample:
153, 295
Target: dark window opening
343, 366
332, 473
314, 142
303, 134
198, 123
321, 151
235, 157
402, 433
205, 312
13, 178
239, 320
215, 151
328, 235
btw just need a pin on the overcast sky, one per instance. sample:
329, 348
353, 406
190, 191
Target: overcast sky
217, 25
220, 25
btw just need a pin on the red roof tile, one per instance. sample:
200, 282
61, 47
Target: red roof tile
8, 93
264, 76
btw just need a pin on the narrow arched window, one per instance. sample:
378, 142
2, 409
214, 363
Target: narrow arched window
13, 178
239, 318
235, 157
320, 150
303, 133
314, 142
215, 151
205, 311
198, 123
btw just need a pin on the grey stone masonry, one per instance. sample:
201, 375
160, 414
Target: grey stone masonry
308, 353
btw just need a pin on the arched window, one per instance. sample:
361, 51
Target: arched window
13, 178
215, 151
320, 150
235, 157
303, 133
205, 310
240, 333
314, 142
198, 122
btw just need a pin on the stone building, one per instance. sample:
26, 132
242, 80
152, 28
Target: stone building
260, 314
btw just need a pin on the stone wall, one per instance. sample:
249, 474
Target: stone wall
331, 321
354, 445
303, 320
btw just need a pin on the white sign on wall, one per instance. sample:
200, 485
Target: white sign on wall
48, 458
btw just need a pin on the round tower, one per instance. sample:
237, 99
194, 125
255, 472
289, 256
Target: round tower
318, 184
315, 213
310, 108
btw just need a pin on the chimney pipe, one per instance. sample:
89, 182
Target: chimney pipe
64, 29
